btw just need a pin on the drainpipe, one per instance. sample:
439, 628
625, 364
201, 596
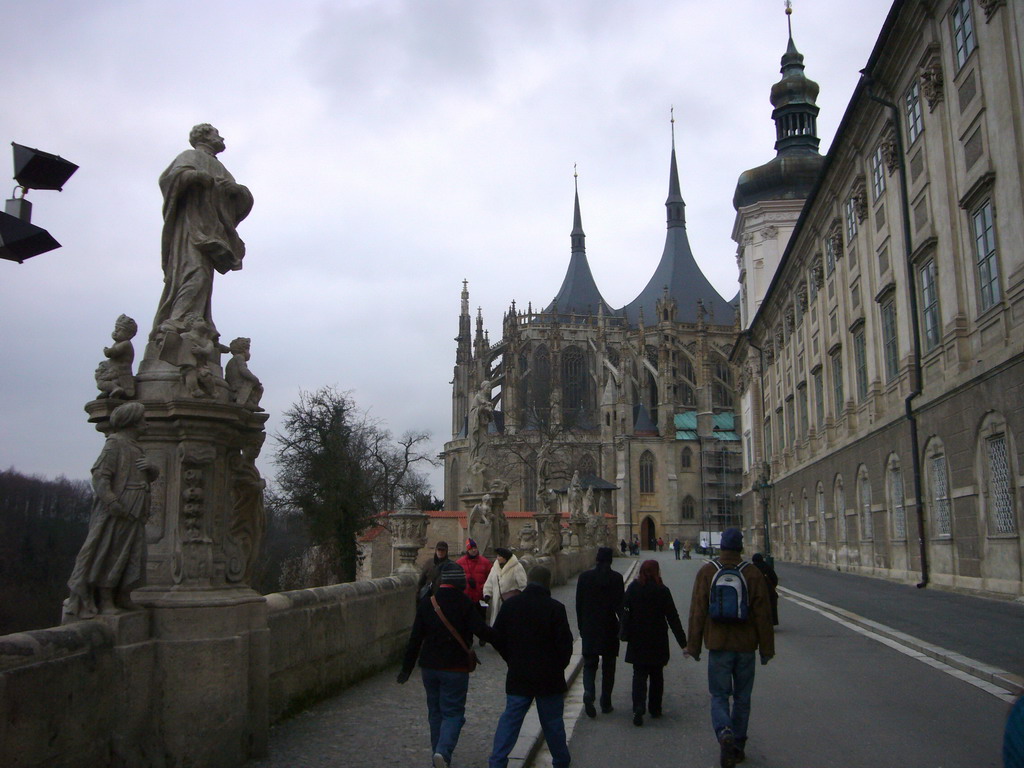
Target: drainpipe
764, 450
915, 326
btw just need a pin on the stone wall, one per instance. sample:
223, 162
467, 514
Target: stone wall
324, 639
86, 694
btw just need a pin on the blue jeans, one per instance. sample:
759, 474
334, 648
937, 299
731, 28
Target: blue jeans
731, 673
446, 708
549, 711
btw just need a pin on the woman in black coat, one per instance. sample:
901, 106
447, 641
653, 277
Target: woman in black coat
648, 613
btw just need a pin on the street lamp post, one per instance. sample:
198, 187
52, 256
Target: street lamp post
763, 486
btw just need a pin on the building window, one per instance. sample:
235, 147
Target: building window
647, 472
899, 512
688, 508
790, 425
819, 400
767, 439
963, 31
575, 378
804, 427
940, 496
877, 173
837, 382
840, 503
851, 220
889, 344
930, 304
867, 526
985, 255
686, 458
912, 102
830, 256
999, 495
860, 361
530, 486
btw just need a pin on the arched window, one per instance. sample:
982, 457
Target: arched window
937, 483
523, 394
686, 458
687, 380
820, 496
839, 497
586, 465
809, 524
721, 388
894, 490
452, 500
867, 527
996, 476
647, 472
575, 379
541, 389
689, 508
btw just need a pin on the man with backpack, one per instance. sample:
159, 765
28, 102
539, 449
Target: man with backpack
730, 614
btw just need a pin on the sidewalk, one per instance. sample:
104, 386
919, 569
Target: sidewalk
980, 636
378, 722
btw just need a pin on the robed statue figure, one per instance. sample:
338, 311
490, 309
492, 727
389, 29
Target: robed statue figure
202, 207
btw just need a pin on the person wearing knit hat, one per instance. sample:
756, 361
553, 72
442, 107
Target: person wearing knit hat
444, 664
506, 579
431, 571
599, 594
731, 646
477, 568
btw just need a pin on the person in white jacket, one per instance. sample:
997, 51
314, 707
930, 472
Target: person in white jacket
507, 576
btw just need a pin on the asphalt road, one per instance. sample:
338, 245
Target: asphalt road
832, 696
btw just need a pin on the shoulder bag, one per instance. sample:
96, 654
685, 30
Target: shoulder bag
473, 661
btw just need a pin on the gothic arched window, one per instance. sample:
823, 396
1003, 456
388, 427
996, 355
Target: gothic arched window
541, 391
647, 472
574, 381
689, 508
686, 459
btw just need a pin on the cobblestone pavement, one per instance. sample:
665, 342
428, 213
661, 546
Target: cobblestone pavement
380, 723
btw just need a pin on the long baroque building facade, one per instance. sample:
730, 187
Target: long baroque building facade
882, 352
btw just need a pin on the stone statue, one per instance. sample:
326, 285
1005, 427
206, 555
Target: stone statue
480, 523
112, 559
198, 350
527, 538
246, 389
552, 541
575, 497
548, 501
114, 376
249, 515
499, 527
589, 507
202, 207
481, 411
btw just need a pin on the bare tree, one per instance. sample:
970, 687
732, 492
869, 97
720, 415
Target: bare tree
341, 469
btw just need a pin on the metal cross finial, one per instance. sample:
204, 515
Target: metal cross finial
672, 120
789, 16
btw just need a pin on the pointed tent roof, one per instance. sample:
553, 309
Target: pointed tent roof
579, 293
678, 270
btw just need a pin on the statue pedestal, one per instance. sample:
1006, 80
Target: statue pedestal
209, 628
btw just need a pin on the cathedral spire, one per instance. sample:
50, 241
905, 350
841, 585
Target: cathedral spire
577, 235
674, 205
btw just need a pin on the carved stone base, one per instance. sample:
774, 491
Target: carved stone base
197, 445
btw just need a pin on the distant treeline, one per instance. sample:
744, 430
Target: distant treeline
42, 524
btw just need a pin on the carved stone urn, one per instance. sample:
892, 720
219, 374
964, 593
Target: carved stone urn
408, 536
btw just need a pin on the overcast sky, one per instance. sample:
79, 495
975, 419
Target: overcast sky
394, 148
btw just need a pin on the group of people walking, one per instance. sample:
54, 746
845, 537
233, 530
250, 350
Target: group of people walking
731, 614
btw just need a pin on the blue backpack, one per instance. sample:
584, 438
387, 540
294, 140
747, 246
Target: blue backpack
728, 602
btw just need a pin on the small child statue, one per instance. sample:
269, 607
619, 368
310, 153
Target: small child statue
114, 376
200, 348
245, 386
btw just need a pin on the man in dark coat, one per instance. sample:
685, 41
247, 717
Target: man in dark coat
598, 610
444, 664
534, 638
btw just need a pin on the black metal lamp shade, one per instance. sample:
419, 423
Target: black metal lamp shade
20, 240
35, 169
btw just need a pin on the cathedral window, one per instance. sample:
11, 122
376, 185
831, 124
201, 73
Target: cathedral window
688, 511
686, 459
575, 378
647, 472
